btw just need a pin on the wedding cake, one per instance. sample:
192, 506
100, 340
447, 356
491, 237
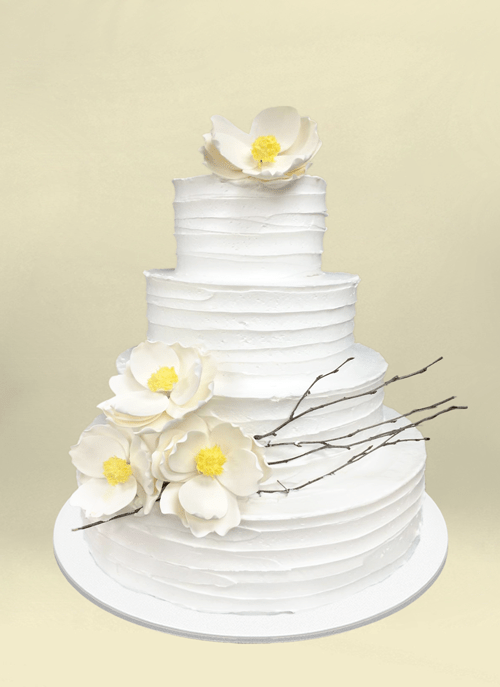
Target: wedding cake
246, 463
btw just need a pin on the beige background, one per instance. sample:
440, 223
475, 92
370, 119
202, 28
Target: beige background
103, 103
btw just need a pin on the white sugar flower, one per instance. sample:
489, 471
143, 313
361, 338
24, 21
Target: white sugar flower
209, 472
159, 384
114, 470
280, 145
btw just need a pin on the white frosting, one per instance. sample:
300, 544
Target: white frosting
267, 341
248, 289
290, 553
247, 232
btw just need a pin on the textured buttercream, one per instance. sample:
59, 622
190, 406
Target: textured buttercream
243, 232
248, 289
291, 552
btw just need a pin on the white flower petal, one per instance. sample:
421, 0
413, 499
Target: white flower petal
188, 384
148, 357
157, 465
140, 462
281, 122
177, 412
150, 441
97, 497
284, 165
218, 164
200, 527
125, 383
221, 125
203, 394
132, 423
139, 404
307, 142
166, 443
204, 497
229, 437
267, 473
170, 504
231, 519
237, 153
122, 436
144, 499
182, 457
96, 445
169, 475
154, 425
178, 429
296, 173
187, 358
241, 474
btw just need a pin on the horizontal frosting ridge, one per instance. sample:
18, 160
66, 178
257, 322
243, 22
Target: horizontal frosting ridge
236, 232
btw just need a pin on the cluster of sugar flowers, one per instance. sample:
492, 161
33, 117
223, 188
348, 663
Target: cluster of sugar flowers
153, 445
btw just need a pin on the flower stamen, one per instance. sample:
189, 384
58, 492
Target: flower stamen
210, 461
116, 470
265, 149
163, 380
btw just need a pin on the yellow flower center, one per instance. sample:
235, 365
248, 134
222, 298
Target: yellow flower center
116, 470
210, 460
163, 380
265, 149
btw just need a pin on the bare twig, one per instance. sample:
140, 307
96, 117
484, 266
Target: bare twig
318, 378
121, 515
324, 444
293, 417
366, 452
301, 443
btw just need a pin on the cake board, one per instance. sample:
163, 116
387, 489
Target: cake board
403, 587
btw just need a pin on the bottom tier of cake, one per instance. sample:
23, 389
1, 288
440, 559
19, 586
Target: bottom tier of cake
291, 552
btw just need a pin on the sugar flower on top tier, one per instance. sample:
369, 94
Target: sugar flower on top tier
114, 468
280, 145
209, 471
159, 384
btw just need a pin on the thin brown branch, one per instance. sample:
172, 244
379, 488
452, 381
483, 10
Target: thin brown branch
353, 459
396, 378
121, 515
306, 453
441, 412
318, 378
100, 522
400, 441
392, 432
370, 449
299, 443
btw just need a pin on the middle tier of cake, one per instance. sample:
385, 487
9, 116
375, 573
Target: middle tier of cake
266, 340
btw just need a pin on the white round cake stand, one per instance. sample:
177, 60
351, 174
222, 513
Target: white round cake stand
378, 601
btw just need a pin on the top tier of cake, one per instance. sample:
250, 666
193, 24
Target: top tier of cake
243, 232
